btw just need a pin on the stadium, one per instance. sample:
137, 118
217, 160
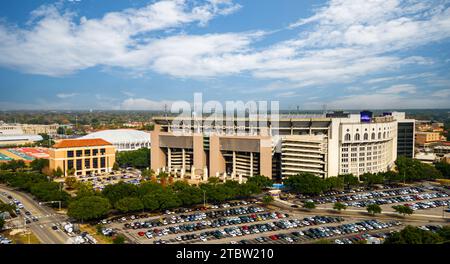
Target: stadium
123, 139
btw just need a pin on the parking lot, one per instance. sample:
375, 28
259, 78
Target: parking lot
239, 222
99, 181
433, 199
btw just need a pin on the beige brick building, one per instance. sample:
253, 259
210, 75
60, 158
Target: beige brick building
84, 156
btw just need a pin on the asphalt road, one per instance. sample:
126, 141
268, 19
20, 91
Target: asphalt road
47, 217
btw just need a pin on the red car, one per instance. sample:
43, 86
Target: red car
273, 237
141, 233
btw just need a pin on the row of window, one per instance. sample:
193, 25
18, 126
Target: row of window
87, 163
357, 136
87, 152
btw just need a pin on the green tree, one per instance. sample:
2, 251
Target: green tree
115, 192
403, 209
150, 202
168, 200
309, 205
71, 182
129, 204
372, 178
116, 166
413, 235
334, 183
147, 173
88, 208
444, 168
267, 199
60, 131
137, 158
261, 181
39, 164
373, 209
306, 183
58, 172
349, 180
339, 206
213, 180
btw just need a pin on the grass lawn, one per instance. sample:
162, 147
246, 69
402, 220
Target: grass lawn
101, 239
23, 238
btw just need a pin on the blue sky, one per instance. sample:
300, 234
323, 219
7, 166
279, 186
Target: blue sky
136, 54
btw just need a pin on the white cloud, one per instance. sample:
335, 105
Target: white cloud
145, 104
66, 95
444, 93
346, 40
56, 44
399, 88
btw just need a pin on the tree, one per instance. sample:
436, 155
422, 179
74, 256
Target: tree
129, 204
119, 239
115, 192
414, 170
150, 202
147, 174
349, 180
334, 183
168, 199
267, 199
309, 205
71, 172
2, 223
60, 131
372, 178
444, 168
413, 235
260, 181
403, 209
57, 173
88, 208
213, 180
136, 158
373, 209
39, 164
305, 183
116, 166
339, 206
71, 182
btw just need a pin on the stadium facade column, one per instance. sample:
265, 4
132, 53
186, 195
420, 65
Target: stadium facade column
216, 159
199, 154
157, 157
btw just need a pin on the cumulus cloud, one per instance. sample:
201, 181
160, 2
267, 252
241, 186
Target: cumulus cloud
343, 41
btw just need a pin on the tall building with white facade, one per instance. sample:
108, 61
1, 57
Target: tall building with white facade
325, 145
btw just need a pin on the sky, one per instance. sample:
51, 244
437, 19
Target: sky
142, 55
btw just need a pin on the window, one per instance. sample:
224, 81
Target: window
87, 152
347, 137
94, 152
87, 163
379, 135
79, 162
102, 151
357, 137
102, 162
373, 135
70, 163
366, 136
70, 154
384, 134
79, 153
95, 163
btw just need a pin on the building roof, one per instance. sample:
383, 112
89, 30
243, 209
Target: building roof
116, 136
77, 143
